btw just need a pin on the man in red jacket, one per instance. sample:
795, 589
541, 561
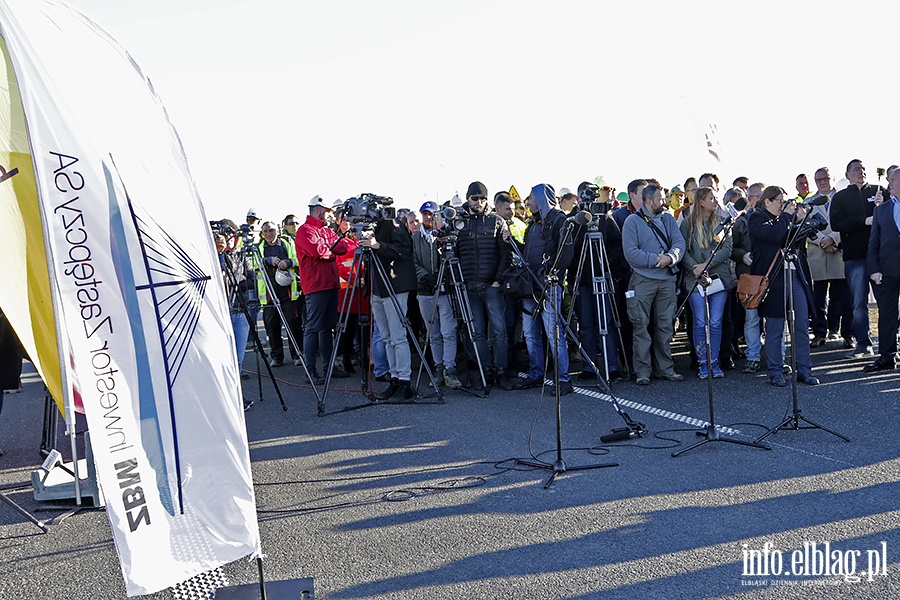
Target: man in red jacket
317, 250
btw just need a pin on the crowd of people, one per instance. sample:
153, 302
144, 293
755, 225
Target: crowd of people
490, 283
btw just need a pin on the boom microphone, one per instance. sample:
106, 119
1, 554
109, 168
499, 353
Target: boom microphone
734, 210
580, 218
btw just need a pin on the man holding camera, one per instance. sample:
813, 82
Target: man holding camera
653, 245
318, 247
279, 259
438, 315
483, 258
391, 244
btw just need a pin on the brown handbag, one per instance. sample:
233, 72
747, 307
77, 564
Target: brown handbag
752, 289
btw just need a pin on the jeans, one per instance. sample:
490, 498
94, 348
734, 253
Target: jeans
589, 330
490, 299
774, 348
390, 324
752, 335
538, 323
441, 328
321, 317
380, 364
241, 328
716, 314
858, 280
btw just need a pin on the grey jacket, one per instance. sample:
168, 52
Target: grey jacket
641, 244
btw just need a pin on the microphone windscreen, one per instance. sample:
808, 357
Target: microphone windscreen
617, 436
449, 213
583, 218
819, 201
740, 204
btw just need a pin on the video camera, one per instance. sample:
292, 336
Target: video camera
227, 228
588, 200
368, 208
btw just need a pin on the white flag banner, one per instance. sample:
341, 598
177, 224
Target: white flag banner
141, 306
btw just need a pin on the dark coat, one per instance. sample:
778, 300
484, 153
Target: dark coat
395, 255
483, 254
768, 235
884, 242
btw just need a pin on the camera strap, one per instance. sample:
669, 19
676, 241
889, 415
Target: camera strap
663, 238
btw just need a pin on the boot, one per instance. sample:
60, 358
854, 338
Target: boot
407, 393
392, 389
439, 376
503, 380
451, 379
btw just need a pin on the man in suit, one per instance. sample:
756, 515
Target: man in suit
884, 269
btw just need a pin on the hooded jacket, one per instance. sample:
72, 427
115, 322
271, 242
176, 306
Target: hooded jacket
542, 238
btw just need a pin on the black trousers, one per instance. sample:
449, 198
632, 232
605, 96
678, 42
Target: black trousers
887, 295
273, 324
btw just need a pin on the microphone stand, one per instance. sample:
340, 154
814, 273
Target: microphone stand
710, 433
792, 421
552, 283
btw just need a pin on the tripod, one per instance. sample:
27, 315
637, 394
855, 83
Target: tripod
792, 421
553, 304
632, 429
459, 300
12, 504
710, 433
594, 252
361, 267
270, 290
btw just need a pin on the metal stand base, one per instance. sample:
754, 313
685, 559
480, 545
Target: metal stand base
792, 423
560, 467
711, 434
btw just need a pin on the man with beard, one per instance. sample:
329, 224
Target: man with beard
653, 245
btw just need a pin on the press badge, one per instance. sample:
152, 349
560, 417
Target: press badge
629, 294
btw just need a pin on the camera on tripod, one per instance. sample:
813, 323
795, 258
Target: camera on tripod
589, 200
363, 211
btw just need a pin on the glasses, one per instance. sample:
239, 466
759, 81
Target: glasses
290, 223
477, 197
823, 178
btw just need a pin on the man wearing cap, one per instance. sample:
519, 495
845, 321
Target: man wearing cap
317, 250
484, 256
438, 315
542, 239
278, 256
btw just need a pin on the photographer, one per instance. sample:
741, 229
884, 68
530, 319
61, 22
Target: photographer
391, 244
542, 239
769, 227
317, 250
279, 256
586, 302
240, 279
483, 258
442, 330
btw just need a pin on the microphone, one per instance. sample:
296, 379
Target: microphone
820, 200
620, 435
734, 210
580, 218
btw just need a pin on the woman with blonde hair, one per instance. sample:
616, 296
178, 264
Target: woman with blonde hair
701, 238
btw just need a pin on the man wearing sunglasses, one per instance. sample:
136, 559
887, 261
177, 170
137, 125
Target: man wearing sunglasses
484, 256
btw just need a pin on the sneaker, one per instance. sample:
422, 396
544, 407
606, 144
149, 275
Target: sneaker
298, 362
643, 381
848, 343
565, 387
673, 376
276, 362
438, 376
528, 383
704, 372
861, 353
316, 379
751, 366
832, 336
817, 342
717, 372
451, 379
339, 374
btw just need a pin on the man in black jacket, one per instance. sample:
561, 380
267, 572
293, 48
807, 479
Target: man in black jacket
884, 269
851, 216
392, 249
542, 243
483, 258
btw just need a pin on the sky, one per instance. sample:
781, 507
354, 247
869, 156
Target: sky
277, 101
